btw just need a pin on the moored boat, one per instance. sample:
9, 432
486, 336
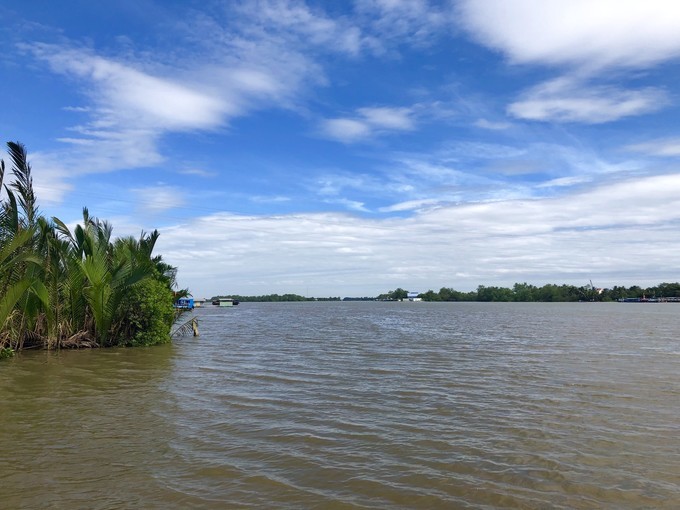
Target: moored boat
226, 302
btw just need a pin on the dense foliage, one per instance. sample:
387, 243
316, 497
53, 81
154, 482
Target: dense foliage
75, 288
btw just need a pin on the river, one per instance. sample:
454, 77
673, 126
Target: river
357, 405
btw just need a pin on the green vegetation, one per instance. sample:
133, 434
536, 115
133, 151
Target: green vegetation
519, 292
80, 288
274, 298
523, 292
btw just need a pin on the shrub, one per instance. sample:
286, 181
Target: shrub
146, 314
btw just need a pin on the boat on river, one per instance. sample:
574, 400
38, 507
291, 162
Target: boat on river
225, 302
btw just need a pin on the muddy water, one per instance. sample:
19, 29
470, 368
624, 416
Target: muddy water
357, 405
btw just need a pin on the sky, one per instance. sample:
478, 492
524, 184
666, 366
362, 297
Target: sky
349, 148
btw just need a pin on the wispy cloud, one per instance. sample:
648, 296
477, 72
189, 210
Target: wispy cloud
565, 100
124, 94
494, 126
585, 41
416, 22
367, 123
667, 147
346, 130
276, 199
352, 205
411, 205
160, 198
297, 22
198, 172
130, 105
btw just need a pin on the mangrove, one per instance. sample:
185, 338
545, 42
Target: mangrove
63, 288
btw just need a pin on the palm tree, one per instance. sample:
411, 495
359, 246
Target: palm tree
20, 282
65, 288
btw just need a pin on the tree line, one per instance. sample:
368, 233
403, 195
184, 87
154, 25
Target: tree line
63, 288
525, 292
274, 298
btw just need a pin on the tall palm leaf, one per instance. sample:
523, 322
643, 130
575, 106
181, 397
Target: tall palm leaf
23, 182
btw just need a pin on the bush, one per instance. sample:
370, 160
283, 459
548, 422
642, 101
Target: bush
147, 314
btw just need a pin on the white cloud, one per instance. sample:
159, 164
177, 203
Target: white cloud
50, 178
295, 19
565, 181
124, 94
157, 199
403, 21
667, 147
586, 39
580, 33
197, 172
388, 118
411, 205
132, 105
611, 234
494, 126
346, 130
352, 205
367, 123
276, 199
331, 187
565, 100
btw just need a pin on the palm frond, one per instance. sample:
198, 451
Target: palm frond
23, 182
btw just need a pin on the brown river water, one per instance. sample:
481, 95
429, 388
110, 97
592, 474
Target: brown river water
357, 405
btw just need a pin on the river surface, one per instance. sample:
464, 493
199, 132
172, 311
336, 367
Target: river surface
357, 405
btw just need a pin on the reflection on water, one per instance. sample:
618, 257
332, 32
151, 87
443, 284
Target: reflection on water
357, 405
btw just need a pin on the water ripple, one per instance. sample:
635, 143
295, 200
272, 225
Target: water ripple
357, 405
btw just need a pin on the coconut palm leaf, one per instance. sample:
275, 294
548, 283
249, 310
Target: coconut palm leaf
23, 182
11, 297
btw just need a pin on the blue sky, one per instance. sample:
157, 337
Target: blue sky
350, 148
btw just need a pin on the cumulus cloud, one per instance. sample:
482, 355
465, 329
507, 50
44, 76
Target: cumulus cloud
573, 238
580, 33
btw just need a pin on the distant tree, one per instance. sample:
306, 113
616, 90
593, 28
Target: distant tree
430, 295
524, 292
398, 294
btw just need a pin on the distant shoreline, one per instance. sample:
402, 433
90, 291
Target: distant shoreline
519, 292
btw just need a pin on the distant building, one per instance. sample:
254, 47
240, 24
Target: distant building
413, 296
185, 303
